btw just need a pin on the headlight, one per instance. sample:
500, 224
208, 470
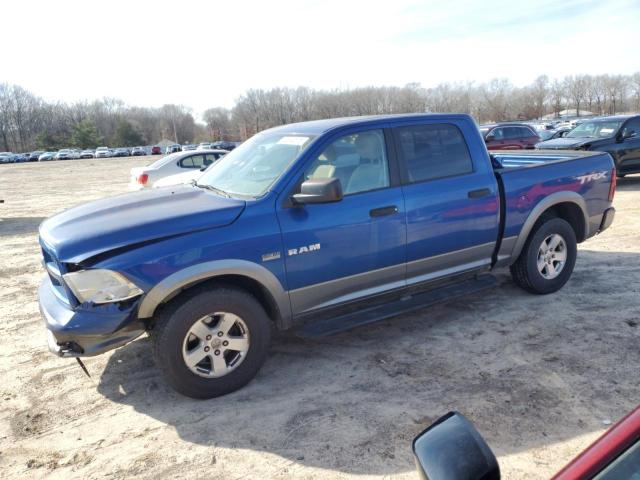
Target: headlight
100, 286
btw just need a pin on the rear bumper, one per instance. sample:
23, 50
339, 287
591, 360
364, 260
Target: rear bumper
607, 219
86, 332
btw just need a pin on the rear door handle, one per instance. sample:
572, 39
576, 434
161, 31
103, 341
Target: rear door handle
383, 211
481, 192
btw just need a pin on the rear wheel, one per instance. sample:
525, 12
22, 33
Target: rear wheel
547, 258
212, 342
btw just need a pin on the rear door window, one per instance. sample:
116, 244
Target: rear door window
433, 151
194, 161
526, 132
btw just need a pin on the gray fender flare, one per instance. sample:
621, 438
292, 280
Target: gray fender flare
540, 208
208, 270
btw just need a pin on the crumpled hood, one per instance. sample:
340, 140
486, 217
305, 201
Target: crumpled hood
564, 143
103, 225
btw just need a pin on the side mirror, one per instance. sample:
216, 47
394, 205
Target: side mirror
204, 167
627, 134
319, 190
452, 449
489, 138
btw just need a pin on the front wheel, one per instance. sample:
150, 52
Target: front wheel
212, 342
547, 258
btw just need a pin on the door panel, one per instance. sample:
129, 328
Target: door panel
452, 203
353, 253
337, 252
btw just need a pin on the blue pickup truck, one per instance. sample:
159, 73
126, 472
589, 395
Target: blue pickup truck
319, 227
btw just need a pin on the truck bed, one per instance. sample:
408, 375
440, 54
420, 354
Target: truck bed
529, 158
527, 178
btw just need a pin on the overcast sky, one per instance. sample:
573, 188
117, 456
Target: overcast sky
206, 53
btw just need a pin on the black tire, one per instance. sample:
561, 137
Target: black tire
175, 321
525, 271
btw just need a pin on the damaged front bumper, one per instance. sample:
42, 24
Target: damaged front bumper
87, 330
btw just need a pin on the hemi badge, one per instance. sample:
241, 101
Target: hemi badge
270, 256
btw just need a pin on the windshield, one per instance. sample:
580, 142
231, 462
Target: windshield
251, 169
595, 130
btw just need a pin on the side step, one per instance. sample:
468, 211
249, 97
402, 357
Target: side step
405, 304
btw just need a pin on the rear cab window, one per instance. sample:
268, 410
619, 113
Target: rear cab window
433, 151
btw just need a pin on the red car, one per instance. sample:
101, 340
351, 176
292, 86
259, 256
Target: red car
156, 150
452, 449
509, 136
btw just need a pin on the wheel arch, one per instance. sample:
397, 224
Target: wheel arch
249, 276
569, 206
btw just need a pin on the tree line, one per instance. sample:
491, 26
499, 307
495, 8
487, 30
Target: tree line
28, 122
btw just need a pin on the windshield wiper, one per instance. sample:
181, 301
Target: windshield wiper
210, 187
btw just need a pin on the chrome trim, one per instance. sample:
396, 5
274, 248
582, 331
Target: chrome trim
54, 271
355, 286
465, 267
476, 255
361, 285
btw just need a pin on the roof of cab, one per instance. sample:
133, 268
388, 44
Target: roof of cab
614, 118
317, 127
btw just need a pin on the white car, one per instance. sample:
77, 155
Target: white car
180, 178
181, 162
204, 146
103, 152
6, 157
66, 154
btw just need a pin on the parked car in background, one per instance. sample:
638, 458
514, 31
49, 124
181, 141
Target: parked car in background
509, 136
103, 152
64, 154
87, 153
452, 449
204, 146
188, 147
33, 156
312, 221
224, 145
619, 136
46, 156
173, 148
551, 134
137, 151
192, 173
21, 157
156, 150
121, 152
6, 157
180, 162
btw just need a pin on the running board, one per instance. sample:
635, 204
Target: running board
409, 303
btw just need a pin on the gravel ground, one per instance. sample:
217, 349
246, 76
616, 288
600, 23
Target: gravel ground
541, 377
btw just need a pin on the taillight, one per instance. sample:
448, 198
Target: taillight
612, 186
142, 179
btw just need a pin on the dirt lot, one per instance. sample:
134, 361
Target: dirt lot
540, 376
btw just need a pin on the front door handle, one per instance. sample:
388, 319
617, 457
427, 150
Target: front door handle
481, 192
383, 211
